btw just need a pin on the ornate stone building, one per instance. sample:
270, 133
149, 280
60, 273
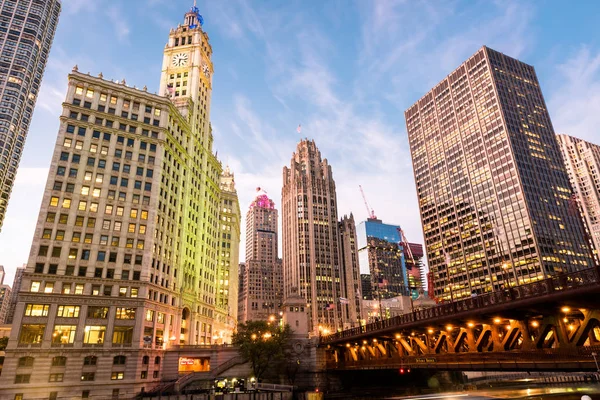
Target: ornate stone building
129, 258
313, 258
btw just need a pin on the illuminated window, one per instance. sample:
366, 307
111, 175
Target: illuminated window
53, 201
66, 203
37, 310
82, 205
68, 311
94, 334
85, 190
89, 93
49, 287
64, 334
78, 90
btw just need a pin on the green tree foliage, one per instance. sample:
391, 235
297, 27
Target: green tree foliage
263, 344
3, 342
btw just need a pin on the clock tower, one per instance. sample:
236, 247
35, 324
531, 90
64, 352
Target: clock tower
187, 69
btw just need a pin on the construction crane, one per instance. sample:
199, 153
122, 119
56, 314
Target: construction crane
370, 212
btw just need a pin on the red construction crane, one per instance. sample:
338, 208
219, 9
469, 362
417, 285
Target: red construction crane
370, 212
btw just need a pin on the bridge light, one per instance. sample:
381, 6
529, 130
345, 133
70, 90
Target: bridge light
565, 309
401, 370
364, 342
565, 320
449, 328
508, 327
497, 320
412, 334
470, 324
397, 336
430, 331
374, 340
347, 344
364, 348
535, 324
571, 327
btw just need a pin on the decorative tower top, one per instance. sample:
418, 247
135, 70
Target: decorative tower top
227, 182
262, 200
193, 19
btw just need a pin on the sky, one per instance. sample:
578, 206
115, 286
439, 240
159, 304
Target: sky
346, 70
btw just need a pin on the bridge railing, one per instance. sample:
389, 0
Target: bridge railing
558, 283
579, 354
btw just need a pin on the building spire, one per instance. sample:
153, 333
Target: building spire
192, 18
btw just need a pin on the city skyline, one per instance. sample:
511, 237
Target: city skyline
322, 83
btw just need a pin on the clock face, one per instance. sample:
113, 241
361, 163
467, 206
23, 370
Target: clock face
206, 70
180, 60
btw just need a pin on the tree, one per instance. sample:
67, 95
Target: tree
262, 344
3, 342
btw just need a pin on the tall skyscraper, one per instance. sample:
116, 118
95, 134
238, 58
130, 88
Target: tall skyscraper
261, 285
351, 304
229, 258
311, 249
124, 261
492, 188
16, 287
387, 259
27, 32
582, 160
381, 256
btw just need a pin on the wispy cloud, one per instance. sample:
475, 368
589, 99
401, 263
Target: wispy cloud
575, 101
120, 24
72, 7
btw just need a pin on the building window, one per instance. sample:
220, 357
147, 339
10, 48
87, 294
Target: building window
26, 362
59, 361
125, 312
88, 376
94, 334
145, 360
32, 333
22, 378
68, 311
119, 360
90, 360
35, 286
122, 335
97, 312
157, 360
53, 395
56, 378
117, 375
37, 310
64, 334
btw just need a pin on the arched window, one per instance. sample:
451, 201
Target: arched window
59, 361
157, 360
145, 360
119, 360
26, 362
90, 360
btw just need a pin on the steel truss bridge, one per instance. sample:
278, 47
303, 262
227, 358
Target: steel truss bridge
548, 325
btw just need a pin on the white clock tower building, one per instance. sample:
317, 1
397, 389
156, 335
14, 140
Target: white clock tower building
187, 72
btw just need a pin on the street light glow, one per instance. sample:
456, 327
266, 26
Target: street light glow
565, 309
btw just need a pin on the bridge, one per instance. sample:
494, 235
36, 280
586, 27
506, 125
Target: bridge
548, 325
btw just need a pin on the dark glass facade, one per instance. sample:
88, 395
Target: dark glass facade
492, 189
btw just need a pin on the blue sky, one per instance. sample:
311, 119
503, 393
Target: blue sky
346, 70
